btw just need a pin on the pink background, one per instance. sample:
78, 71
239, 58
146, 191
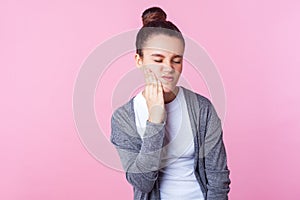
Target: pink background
255, 45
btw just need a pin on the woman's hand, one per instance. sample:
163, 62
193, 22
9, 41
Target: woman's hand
153, 94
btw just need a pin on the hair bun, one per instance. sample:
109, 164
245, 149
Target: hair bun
153, 14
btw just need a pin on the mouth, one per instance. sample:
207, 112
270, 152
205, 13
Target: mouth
168, 78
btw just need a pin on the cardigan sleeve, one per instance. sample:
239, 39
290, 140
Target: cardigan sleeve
140, 160
215, 159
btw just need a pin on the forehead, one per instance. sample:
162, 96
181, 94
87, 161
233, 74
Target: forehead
164, 44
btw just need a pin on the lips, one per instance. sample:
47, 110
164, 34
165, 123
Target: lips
168, 78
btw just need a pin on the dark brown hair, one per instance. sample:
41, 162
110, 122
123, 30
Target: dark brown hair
155, 23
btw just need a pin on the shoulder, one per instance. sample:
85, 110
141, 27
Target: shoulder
200, 105
123, 119
123, 128
124, 111
203, 101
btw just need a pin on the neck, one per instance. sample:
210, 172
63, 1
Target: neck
170, 96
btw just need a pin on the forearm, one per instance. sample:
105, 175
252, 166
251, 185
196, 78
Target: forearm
217, 174
216, 169
142, 166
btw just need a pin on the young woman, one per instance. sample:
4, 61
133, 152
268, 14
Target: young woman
169, 138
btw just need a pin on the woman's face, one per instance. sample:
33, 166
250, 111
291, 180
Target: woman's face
163, 55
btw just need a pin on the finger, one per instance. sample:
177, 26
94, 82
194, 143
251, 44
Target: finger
147, 75
147, 81
156, 83
153, 86
160, 91
160, 87
151, 77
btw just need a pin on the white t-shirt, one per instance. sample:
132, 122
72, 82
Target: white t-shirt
177, 178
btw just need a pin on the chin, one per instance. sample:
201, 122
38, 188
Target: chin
168, 89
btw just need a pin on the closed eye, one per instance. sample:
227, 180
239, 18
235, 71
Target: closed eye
159, 61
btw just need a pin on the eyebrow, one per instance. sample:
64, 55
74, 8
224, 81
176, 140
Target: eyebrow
160, 55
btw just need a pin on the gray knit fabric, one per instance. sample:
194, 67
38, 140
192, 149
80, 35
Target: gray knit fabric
140, 157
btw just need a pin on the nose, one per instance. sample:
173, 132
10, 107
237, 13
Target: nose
168, 67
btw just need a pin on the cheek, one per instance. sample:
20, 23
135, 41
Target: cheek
178, 69
157, 73
151, 65
155, 68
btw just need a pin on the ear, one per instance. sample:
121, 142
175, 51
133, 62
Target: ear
138, 60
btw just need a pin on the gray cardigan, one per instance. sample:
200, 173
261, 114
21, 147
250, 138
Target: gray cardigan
140, 157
